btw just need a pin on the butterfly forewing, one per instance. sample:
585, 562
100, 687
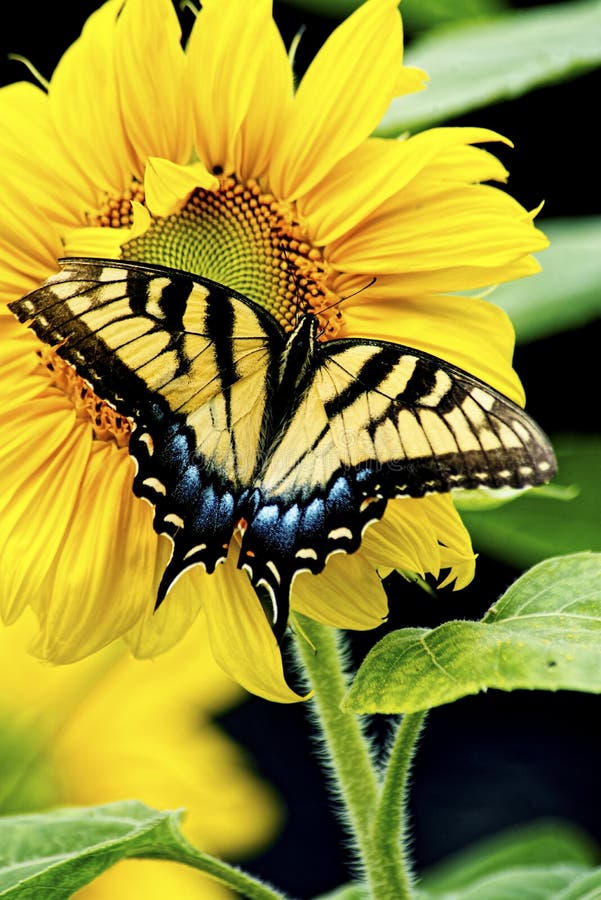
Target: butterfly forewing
188, 361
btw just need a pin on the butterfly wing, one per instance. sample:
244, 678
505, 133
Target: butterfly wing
190, 362
378, 421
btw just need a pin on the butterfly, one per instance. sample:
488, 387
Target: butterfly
296, 443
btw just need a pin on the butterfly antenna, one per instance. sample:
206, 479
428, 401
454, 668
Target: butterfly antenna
342, 299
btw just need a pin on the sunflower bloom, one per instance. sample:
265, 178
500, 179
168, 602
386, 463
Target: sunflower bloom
207, 160
96, 738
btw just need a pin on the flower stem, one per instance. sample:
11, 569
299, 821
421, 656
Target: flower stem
349, 755
346, 746
390, 823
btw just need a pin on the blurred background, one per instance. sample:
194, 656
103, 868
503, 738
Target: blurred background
492, 761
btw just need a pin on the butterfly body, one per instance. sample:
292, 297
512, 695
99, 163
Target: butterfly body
294, 443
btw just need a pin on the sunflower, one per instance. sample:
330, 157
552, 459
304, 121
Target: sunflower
112, 726
209, 160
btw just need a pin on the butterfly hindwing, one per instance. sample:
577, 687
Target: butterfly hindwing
378, 421
188, 361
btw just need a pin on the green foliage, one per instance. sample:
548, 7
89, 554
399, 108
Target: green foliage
475, 64
566, 293
547, 843
421, 14
546, 882
52, 855
536, 525
348, 892
544, 633
416, 13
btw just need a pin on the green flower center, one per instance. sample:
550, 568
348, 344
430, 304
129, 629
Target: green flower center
243, 238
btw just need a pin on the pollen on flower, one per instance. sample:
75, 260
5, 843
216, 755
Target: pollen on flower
106, 422
116, 212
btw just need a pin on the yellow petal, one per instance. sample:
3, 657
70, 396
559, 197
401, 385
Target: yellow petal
28, 242
456, 551
347, 594
453, 328
151, 72
272, 95
158, 630
39, 493
375, 171
423, 536
341, 98
403, 539
475, 226
101, 579
225, 51
168, 185
32, 153
410, 80
86, 109
241, 638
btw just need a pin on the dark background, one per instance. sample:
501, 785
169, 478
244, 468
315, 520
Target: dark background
490, 761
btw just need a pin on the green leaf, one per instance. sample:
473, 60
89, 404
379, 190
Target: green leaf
421, 14
544, 633
542, 843
536, 525
416, 13
525, 882
476, 64
587, 887
51, 855
348, 892
566, 293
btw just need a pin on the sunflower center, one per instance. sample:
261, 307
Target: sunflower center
245, 239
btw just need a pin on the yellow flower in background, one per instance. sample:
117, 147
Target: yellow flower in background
111, 728
206, 160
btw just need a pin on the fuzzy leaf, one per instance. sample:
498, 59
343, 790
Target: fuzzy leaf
475, 64
544, 633
53, 854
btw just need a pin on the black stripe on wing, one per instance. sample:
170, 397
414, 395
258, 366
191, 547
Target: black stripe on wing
496, 444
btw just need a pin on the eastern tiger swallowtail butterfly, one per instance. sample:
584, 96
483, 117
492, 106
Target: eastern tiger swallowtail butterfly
299, 443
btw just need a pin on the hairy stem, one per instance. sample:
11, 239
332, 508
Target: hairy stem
391, 821
349, 756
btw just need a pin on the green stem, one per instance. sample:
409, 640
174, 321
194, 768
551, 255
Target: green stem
350, 760
347, 748
391, 820
245, 885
